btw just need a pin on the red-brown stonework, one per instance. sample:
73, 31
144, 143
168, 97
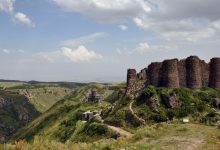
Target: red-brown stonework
193, 72
153, 72
214, 80
131, 77
143, 74
205, 73
169, 74
182, 73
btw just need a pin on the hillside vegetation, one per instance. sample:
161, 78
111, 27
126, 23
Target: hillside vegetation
15, 112
151, 121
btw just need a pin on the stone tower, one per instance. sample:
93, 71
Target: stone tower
169, 74
193, 72
214, 79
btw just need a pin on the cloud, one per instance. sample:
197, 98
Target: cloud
23, 19
169, 20
123, 27
145, 47
106, 10
7, 5
81, 54
142, 47
119, 51
6, 51
83, 39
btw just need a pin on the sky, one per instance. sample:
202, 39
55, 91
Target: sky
98, 40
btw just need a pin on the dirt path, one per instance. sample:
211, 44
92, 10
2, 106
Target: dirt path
132, 111
120, 131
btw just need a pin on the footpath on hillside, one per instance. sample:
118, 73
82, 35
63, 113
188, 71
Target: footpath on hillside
132, 111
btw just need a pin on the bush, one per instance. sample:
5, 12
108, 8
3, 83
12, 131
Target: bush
159, 117
171, 114
149, 91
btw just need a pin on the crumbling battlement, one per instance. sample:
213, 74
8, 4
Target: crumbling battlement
191, 72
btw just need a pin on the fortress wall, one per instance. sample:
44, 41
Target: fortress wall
205, 73
169, 74
214, 80
193, 72
182, 73
153, 73
142, 75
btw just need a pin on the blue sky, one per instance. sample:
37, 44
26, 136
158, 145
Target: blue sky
98, 40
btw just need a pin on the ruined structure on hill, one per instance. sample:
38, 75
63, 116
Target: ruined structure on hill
191, 72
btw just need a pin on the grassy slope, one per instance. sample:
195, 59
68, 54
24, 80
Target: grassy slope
15, 112
41, 95
60, 121
156, 137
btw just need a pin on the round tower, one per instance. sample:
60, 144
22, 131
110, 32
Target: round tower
214, 78
193, 72
170, 75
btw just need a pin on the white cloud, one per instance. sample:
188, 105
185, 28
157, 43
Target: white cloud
6, 51
81, 54
119, 51
83, 39
123, 27
23, 18
106, 10
7, 5
142, 47
169, 20
216, 25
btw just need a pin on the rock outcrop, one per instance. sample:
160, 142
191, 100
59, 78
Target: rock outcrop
216, 103
191, 72
15, 112
171, 101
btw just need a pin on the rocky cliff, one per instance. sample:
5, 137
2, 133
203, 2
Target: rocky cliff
15, 112
191, 72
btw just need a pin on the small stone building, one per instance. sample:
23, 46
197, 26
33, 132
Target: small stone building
86, 116
94, 97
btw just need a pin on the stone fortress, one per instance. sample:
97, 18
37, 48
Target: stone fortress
191, 72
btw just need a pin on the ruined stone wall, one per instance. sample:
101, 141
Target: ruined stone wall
143, 74
169, 74
134, 85
153, 73
131, 77
214, 80
193, 72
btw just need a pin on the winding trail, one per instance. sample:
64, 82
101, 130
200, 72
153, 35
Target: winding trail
120, 131
132, 111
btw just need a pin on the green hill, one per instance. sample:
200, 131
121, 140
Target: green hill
123, 116
136, 119
63, 122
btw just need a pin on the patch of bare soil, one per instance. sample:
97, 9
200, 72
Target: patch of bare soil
181, 143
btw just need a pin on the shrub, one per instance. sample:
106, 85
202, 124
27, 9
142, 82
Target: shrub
159, 117
149, 91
